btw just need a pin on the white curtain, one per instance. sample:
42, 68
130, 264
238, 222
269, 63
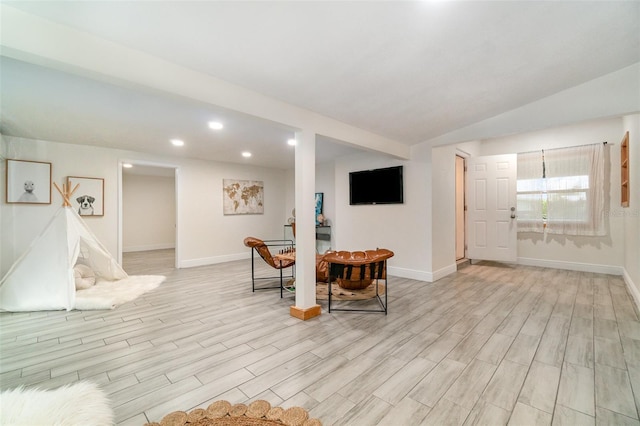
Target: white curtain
531, 191
575, 190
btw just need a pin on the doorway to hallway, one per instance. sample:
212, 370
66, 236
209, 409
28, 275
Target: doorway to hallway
148, 194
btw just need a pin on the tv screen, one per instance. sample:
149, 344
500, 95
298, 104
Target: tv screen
379, 186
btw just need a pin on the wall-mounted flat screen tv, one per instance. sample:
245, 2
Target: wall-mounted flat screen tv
378, 186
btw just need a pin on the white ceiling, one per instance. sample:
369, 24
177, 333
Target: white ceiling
43, 103
409, 71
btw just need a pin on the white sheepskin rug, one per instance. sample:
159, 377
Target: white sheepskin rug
109, 294
82, 403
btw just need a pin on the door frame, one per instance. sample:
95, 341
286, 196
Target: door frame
463, 155
176, 168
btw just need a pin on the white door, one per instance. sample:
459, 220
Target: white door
491, 208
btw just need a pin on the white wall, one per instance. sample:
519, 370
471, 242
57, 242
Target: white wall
601, 254
444, 218
631, 215
325, 183
402, 228
206, 235
290, 194
3, 173
148, 212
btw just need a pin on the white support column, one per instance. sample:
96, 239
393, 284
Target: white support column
305, 176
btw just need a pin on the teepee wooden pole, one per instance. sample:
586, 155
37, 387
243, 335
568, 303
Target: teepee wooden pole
65, 193
74, 190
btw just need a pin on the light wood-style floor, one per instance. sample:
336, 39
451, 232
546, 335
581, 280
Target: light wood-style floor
490, 344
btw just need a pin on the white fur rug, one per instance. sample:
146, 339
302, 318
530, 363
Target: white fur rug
82, 403
109, 294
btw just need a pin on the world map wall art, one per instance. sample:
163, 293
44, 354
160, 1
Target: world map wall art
242, 196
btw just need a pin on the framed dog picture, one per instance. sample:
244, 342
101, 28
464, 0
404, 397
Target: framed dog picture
88, 199
28, 182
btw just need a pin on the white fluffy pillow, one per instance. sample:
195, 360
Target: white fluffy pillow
84, 276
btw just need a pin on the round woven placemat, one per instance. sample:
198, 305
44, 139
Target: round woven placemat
223, 413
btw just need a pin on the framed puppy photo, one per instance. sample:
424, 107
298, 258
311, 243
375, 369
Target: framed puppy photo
88, 199
28, 182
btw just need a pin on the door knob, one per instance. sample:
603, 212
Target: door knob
513, 212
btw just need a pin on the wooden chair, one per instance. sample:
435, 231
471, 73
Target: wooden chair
262, 248
356, 271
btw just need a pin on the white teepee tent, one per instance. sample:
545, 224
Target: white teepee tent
42, 278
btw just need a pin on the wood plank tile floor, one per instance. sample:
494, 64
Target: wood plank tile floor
491, 344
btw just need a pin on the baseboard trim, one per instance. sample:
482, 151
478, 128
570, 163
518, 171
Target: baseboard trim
204, 261
410, 273
414, 274
443, 272
148, 247
572, 266
631, 286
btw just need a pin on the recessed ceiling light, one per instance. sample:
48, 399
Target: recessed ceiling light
292, 142
246, 154
215, 125
127, 165
177, 142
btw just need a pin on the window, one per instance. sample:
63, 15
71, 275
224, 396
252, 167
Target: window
531, 193
561, 191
